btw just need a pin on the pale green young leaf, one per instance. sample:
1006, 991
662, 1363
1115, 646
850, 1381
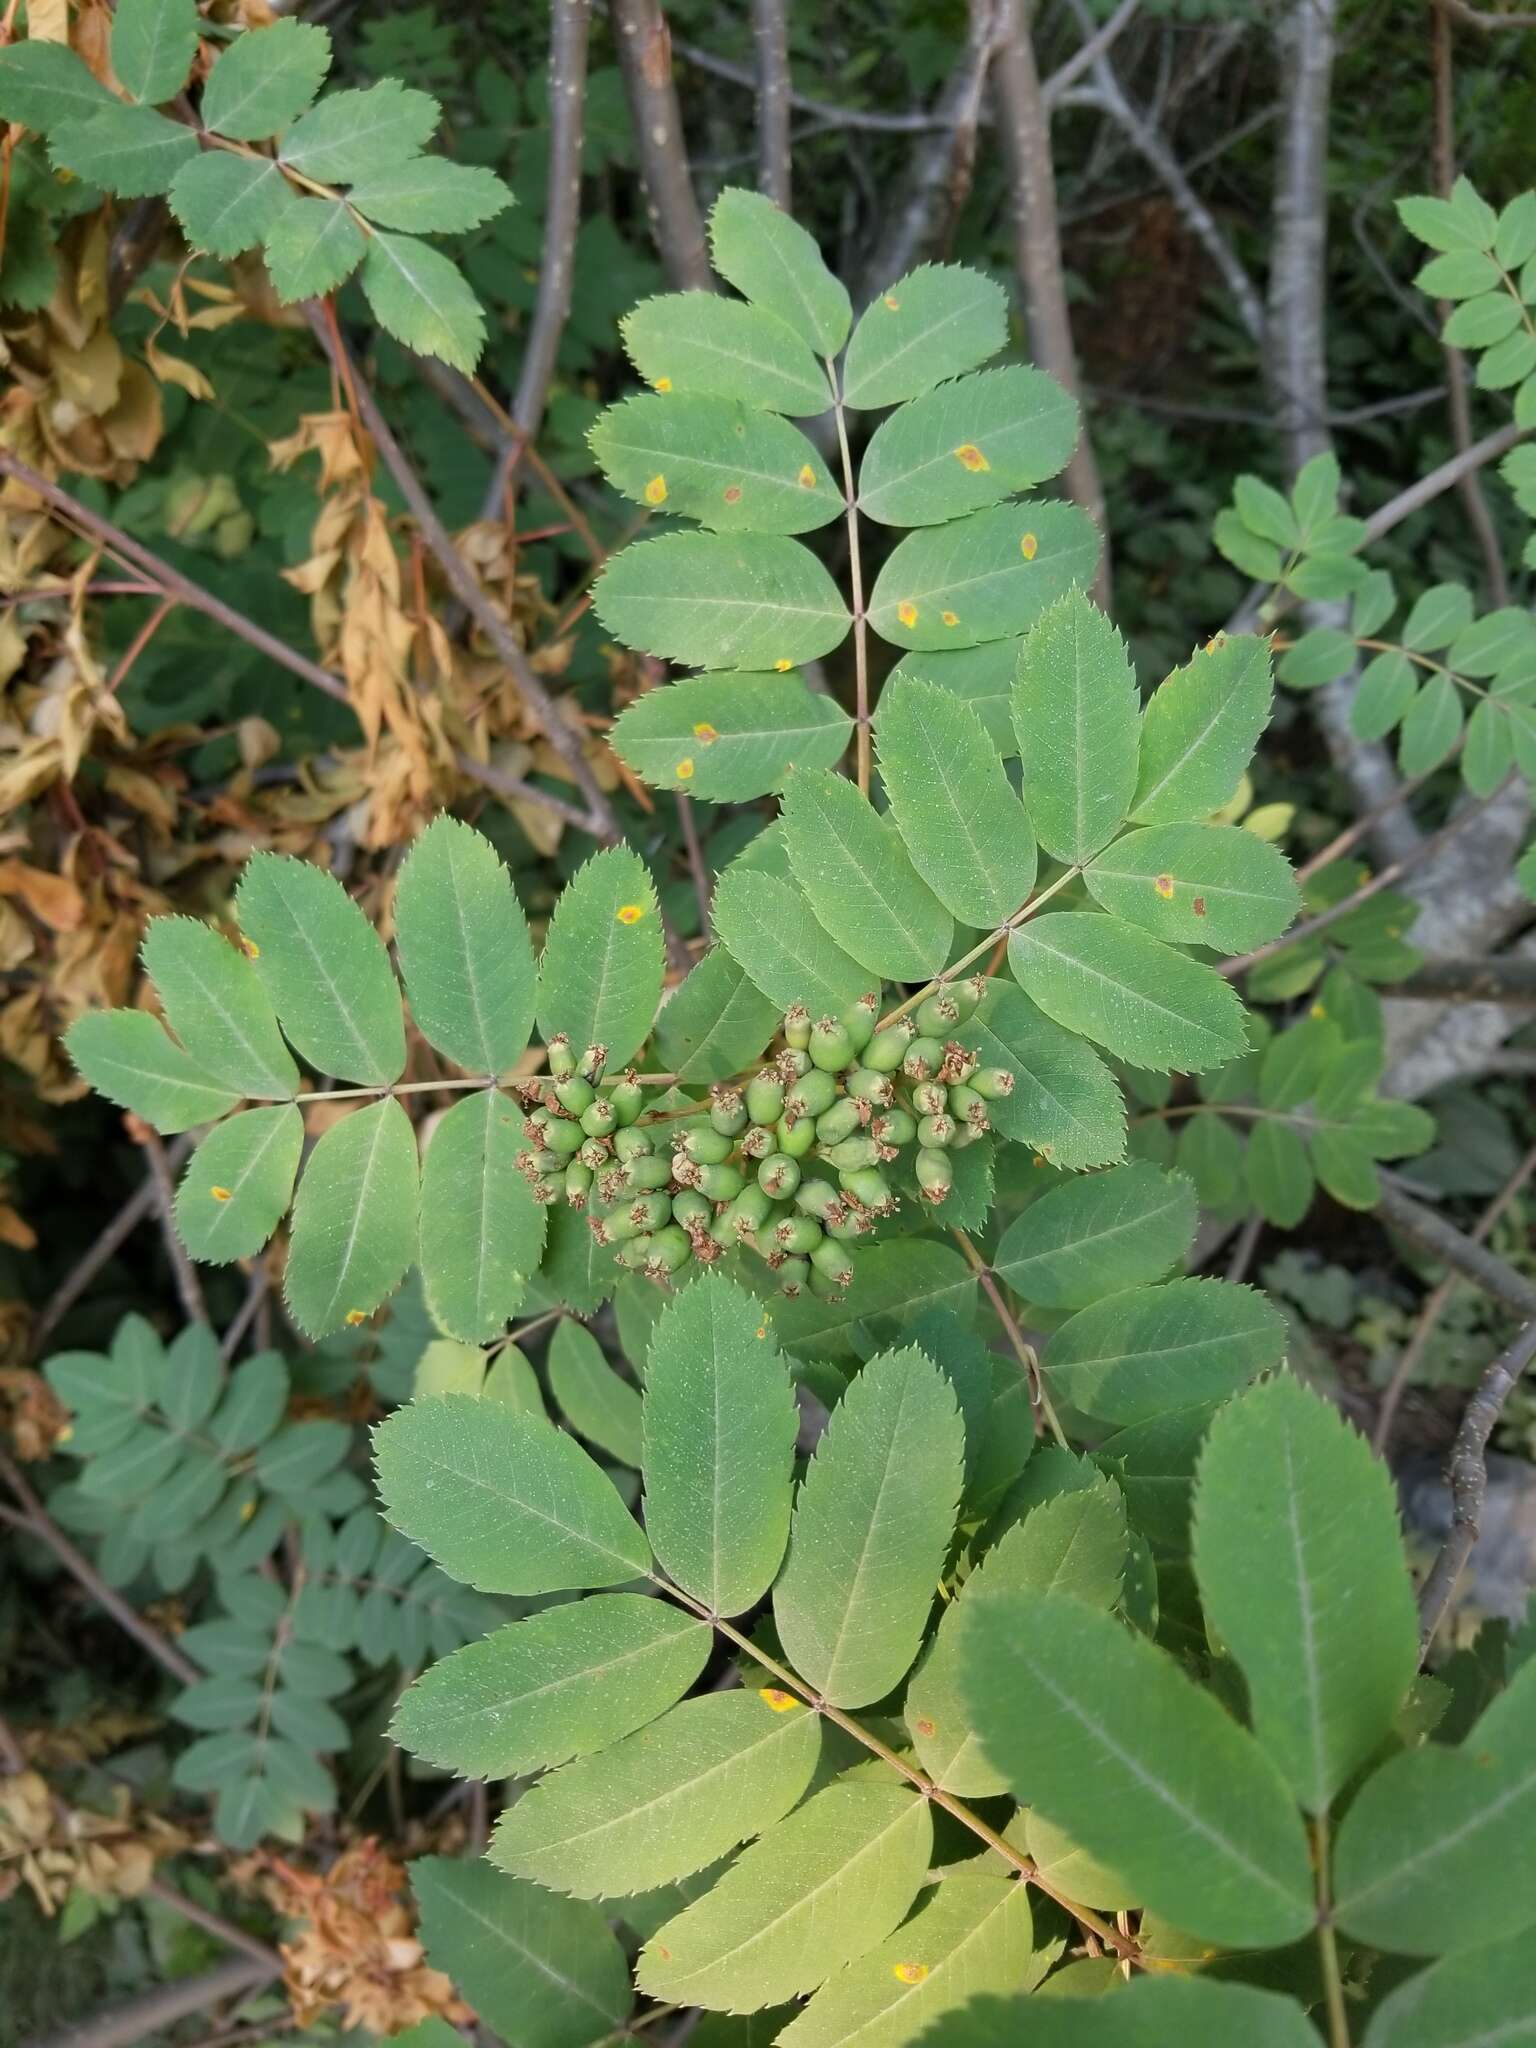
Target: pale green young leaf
935, 322
664, 1802
422, 299
1076, 715
1444, 224
130, 1057
720, 1422
872, 1523
153, 44
313, 247
600, 976
254, 1403
132, 151
728, 738
227, 204
1153, 2011
43, 85
1489, 753
431, 195
482, 1232
1278, 1174
716, 1022
1200, 728
1438, 1848
540, 1971
743, 601
356, 133
776, 263
239, 1182
1138, 998
893, 1282
1102, 1732
1302, 1575
325, 969
1197, 885
771, 929
1097, 1235
504, 1501
967, 833
1345, 1168
592, 1397
1140, 1353
729, 465
1431, 726
1485, 1995
464, 949
858, 880
565, 1682
354, 1223
698, 343
1065, 1103
967, 445
985, 577
214, 1001
979, 676
814, 1893
266, 78
1297, 1061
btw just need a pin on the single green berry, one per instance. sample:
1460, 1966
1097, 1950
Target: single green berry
852, 1224
722, 1183
831, 1046
870, 1189
922, 1059
831, 1261
797, 1234
632, 1254
969, 1108
887, 1049
811, 1094
564, 1137
765, 1096
574, 1095
595, 1153
650, 1170
795, 1139
967, 994
893, 1128
794, 1276
592, 1063
650, 1211
578, 1183
599, 1119
958, 1064
549, 1161
865, 1085
617, 1228
757, 1141
930, 1098
778, 1176
859, 1022
993, 1084
851, 1154
627, 1097
670, 1250
727, 1111
938, 1014
820, 1199
841, 1121
630, 1144
562, 1060
792, 1062
935, 1175
708, 1147
936, 1131
797, 1027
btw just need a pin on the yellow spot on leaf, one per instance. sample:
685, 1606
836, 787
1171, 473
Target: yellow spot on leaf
1164, 887
1217, 641
250, 949
356, 1316
629, 913
1317, 1010
663, 383
221, 1194
733, 494
781, 1702
684, 769
807, 477
892, 304
1028, 547
906, 611
656, 491
706, 733
65, 1433
762, 1330
925, 1727
950, 618
969, 456
781, 665
909, 1973
247, 1509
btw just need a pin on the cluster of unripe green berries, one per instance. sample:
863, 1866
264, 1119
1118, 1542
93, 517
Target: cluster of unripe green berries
792, 1163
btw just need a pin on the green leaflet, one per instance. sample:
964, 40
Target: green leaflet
1071, 1870
1485, 1994
131, 151
43, 85
967, 833
980, 676
577, 1270
354, 1223
1133, 995
153, 44
1200, 728
503, 1501
715, 1023
967, 445
1075, 711
817, 1891
892, 1283
698, 343
325, 969
604, 958
431, 194
1278, 1173
542, 1971
776, 263
1065, 1102
215, 1003
265, 79
872, 1523
419, 297
314, 246
482, 1232
464, 949
593, 1398
1286, 1490
728, 465
933, 323
664, 1802
1097, 1235
728, 738
858, 881
984, 577
720, 1423
239, 1182
1141, 1353
254, 1403
129, 1057
974, 1933
746, 601
227, 204
1435, 1852
1102, 1732
356, 133
770, 928
563, 1683
1197, 885
1153, 2011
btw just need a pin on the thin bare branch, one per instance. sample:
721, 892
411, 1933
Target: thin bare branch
1443, 1241
645, 57
144, 2018
770, 39
188, 1286
96, 1254
1470, 981
1489, 19
214, 1924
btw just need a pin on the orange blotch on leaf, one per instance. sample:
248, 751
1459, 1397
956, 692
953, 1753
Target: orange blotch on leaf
969, 456
221, 1194
733, 494
655, 492
706, 733
663, 383
629, 913
909, 1973
1029, 547
356, 1316
950, 618
906, 611
924, 1727
250, 949
781, 665
807, 477
891, 302
1164, 887
684, 769
1198, 906
781, 1702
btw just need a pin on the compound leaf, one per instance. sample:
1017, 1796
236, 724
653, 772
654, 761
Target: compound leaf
930, 325
1133, 995
482, 1231
239, 1182
464, 948
354, 1223
600, 977
744, 601
1075, 712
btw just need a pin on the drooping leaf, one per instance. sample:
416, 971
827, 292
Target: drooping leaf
1197, 885
464, 948
1200, 728
700, 344
1103, 1733
215, 1003
666, 1801
872, 1522
325, 969
504, 1501
731, 466
313, 247
431, 195
354, 1223
1153, 2011
482, 1232
1147, 1350
716, 1022
1485, 1994
265, 79
985, 577
1286, 1491
776, 263
1133, 995
772, 931
563, 1683
728, 738
744, 601
1065, 1102
858, 880
227, 204
967, 833
720, 1422
239, 1182
356, 133
967, 445
935, 322
153, 44
421, 298
43, 85
131, 1058
817, 1891
131, 151
1076, 714
1097, 1235
594, 1399
601, 972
